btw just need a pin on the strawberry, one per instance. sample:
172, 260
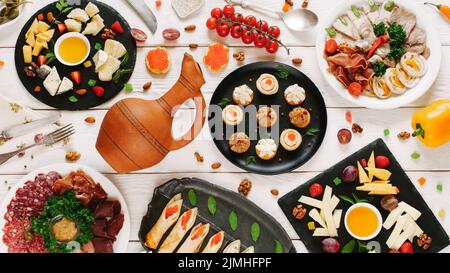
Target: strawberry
41, 60
116, 27
40, 17
406, 248
76, 77
382, 162
62, 28
315, 190
98, 90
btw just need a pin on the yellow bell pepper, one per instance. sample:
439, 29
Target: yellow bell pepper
432, 124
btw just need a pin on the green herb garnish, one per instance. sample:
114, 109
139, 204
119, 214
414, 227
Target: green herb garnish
92, 83
348, 247
439, 187
192, 196
386, 132
121, 73
312, 132
337, 181
343, 21
362, 200
379, 68
355, 11
415, 155
282, 73
419, 131
212, 205
98, 46
128, 87
362, 247
379, 29
233, 220
397, 43
124, 60
348, 199
63, 7
224, 102
331, 32
68, 206
251, 159
73, 99
255, 231
278, 247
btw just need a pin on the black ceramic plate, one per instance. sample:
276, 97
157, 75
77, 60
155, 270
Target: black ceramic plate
284, 161
408, 193
88, 100
227, 201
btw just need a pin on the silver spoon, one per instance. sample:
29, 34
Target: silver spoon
296, 19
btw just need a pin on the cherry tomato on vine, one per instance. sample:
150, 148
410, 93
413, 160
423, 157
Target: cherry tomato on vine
274, 31
262, 25
211, 23
237, 31
216, 13
223, 30
228, 11
250, 20
260, 40
237, 17
248, 37
272, 46
355, 89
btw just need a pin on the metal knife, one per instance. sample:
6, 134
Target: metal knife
145, 13
27, 128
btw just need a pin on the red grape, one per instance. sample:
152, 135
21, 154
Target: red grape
216, 13
344, 136
389, 202
330, 245
349, 174
272, 46
211, 23
237, 31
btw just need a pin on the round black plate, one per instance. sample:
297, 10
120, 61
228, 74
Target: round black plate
88, 100
284, 161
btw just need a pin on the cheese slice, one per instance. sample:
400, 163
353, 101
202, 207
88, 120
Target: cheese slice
363, 178
100, 59
337, 215
414, 213
371, 162
31, 40
78, 14
334, 202
417, 231
396, 232
314, 214
320, 232
105, 73
91, 9
310, 201
329, 220
115, 48
52, 82
327, 193
403, 237
381, 174
66, 85
393, 217
73, 25
381, 182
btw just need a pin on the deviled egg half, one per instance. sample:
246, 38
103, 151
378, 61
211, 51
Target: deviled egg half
414, 64
267, 84
232, 115
295, 95
243, 95
290, 139
266, 148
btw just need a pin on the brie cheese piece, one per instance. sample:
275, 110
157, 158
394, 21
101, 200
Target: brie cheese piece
107, 70
91, 9
66, 85
73, 25
52, 82
233, 247
115, 48
79, 15
100, 59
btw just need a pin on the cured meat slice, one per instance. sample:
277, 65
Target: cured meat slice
107, 209
102, 245
115, 225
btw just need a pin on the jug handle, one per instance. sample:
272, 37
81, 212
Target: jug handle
200, 106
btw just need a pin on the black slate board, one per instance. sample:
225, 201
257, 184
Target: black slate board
227, 201
61, 102
314, 103
408, 193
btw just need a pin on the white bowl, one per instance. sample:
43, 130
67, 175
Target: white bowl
434, 61
68, 35
13, 21
372, 208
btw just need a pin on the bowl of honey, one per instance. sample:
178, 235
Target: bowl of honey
363, 221
72, 48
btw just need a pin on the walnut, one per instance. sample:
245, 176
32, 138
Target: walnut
424, 241
299, 212
239, 56
244, 187
73, 156
305, 4
108, 34
404, 135
356, 128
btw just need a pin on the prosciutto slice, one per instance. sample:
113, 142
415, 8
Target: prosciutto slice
348, 68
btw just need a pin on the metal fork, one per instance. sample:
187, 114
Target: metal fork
48, 139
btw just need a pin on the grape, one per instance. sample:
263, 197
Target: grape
344, 136
389, 202
330, 245
349, 174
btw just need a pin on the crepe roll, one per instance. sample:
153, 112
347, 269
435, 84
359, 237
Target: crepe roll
183, 225
195, 239
168, 217
214, 243
233, 247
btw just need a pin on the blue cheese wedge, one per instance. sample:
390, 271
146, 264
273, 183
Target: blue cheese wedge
91, 9
66, 85
52, 82
115, 48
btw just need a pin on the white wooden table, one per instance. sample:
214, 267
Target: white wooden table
138, 187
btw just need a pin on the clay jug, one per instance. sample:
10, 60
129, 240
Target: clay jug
137, 134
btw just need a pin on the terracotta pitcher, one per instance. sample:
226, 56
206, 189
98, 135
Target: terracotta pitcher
137, 134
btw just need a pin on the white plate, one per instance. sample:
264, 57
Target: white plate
434, 61
121, 243
21, 11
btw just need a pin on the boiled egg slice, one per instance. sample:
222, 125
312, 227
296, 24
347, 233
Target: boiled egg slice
380, 88
405, 78
393, 82
414, 64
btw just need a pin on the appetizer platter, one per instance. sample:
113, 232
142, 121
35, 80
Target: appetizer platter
280, 100
10, 11
64, 208
190, 215
379, 54
75, 57
364, 201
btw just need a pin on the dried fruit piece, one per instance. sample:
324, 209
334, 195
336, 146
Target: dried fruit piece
404, 135
216, 165
239, 56
158, 61
297, 61
73, 156
87, 64
90, 120
81, 92
348, 116
421, 181
216, 57
190, 28
274, 192
147, 85
37, 88
198, 157
441, 213
2, 64
244, 187
311, 226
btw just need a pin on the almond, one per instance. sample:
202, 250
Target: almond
274, 192
193, 46
89, 120
190, 28
198, 157
147, 85
216, 165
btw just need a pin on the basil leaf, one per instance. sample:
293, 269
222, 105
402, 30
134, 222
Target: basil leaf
312, 132
347, 198
250, 160
124, 60
192, 196
255, 231
233, 220
278, 247
283, 73
212, 205
224, 102
348, 248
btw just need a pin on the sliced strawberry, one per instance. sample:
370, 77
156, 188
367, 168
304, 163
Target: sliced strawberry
62, 28
40, 17
116, 27
41, 60
98, 90
76, 77
315, 190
